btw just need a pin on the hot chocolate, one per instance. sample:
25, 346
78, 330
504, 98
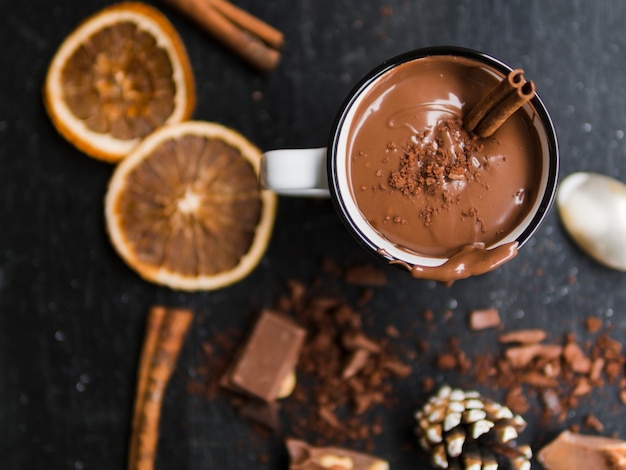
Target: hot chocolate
427, 185
441, 160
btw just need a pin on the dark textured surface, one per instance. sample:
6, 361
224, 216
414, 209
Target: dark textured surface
72, 314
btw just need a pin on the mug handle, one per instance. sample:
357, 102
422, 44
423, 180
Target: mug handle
295, 172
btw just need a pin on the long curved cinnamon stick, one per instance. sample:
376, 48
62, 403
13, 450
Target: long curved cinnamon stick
165, 333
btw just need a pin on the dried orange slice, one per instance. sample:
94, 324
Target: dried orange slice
185, 208
116, 78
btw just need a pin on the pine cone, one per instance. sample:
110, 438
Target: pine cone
464, 430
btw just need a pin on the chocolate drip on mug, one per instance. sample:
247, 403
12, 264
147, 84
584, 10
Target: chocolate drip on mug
471, 260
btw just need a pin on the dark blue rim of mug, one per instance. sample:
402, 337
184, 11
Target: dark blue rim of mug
373, 75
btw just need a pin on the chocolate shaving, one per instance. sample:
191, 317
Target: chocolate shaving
560, 373
327, 414
397, 368
357, 340
523, 336
356, 363
483, 319
594, 423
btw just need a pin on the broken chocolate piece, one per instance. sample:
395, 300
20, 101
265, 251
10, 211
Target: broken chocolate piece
483, 319
306, 457
572, 450
522, 356
576, 358
268, 358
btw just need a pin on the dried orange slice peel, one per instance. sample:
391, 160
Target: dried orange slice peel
185, 208
117, 77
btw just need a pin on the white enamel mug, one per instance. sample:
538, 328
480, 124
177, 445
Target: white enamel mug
323, 171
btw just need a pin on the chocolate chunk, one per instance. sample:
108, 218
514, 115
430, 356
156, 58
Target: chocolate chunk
576, 359
483, 319
522, 356
268, 358
572, 450
306, 457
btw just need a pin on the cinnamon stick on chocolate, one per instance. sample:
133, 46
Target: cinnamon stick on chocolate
513, 80
253, 40
165, 333
499, 104
496, 117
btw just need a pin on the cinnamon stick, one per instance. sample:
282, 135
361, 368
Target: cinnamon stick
514, 80
498, 115
229, 30
265, 32
164, 337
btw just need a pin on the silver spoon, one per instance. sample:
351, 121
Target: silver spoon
592, 208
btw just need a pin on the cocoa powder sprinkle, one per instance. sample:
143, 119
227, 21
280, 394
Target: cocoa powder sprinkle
436, 159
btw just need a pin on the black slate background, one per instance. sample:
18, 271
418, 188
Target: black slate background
72, 314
